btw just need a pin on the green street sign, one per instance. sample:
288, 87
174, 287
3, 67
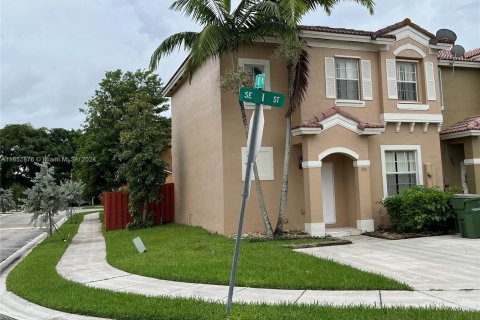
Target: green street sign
273, 99
251, 95
260, 81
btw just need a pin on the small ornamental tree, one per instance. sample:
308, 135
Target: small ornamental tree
144, 134
72, 192
6, 200
44, 199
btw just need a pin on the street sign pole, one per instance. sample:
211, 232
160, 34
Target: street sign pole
246, 191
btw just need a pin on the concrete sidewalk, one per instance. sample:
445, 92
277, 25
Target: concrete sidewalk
84, 262
14, 307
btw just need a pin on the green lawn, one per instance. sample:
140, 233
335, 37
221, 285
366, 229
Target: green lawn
184, 253
36, 279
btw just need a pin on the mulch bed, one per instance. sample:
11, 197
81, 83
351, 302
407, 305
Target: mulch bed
392, 235
334, 242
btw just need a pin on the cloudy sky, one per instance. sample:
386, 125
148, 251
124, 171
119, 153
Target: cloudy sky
55, 52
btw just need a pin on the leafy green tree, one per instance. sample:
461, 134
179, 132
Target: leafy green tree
100, 142
144, 134
17, 192
44, 199
224, 32
21, 145
6, 200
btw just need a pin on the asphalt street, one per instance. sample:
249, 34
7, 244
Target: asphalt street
16, 231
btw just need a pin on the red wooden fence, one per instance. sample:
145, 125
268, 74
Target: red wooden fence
116, 208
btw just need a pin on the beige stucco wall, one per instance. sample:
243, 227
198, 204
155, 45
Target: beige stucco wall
461, 96
274, 136
197, 150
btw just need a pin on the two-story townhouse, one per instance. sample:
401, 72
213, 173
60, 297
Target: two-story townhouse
460, 138
369, 127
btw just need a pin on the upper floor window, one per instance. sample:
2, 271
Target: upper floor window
254, 67
407, 81
347, 79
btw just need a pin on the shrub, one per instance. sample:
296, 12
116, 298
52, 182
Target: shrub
419, 209
6, 200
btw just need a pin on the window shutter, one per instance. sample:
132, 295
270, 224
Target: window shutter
367, 80
430, 81
391, 79
330, 78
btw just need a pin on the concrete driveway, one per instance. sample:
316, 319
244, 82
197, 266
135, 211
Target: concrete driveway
430, 263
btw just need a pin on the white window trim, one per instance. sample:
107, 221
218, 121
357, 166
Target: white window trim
351, 102
266, 65
415, 106
263, 176
412, 147
415, 62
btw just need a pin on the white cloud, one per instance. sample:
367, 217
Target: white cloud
55, 52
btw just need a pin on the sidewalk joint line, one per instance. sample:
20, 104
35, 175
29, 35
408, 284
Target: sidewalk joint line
108, 278
380, 295
296, 300
425, 293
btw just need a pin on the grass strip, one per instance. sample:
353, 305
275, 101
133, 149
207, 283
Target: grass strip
36, 280
191, 254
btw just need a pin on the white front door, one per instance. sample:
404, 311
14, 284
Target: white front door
328, 193
463, 176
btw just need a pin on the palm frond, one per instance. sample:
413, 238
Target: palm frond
293, 10
212, 41
187, 39
300, 83
328, 5
202, 11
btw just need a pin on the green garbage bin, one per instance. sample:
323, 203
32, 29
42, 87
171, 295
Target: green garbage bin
467, 210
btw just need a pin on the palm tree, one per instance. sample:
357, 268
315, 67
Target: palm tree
224, 31
293, 53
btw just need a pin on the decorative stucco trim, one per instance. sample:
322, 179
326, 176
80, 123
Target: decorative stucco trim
342, 150
340, 120
411, 117
471, 162
350, 103
366, 225
409, 32
311, 164
469, 133
413, 106
409, 46
315, 229
411, 147
372, 131
361, 163
302, 131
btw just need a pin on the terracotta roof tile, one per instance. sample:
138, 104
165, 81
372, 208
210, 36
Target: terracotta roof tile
471, 123
343, 31
468, 56
315, 121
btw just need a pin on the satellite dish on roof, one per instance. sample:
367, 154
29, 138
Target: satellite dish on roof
446, 34
457, 51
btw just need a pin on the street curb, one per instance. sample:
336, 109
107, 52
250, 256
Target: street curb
23, 251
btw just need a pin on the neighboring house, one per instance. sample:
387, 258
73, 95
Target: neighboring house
460, 139
167, 157
369, 127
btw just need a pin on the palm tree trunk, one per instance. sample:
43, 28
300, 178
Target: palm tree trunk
286, 161
258, 187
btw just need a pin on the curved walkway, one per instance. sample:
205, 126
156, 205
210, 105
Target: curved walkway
85, 262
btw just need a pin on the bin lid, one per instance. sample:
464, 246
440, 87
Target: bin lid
459, 201
466, 196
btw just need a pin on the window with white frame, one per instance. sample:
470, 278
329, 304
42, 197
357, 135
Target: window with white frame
347, 79
407, 81
401, 166
254, 67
